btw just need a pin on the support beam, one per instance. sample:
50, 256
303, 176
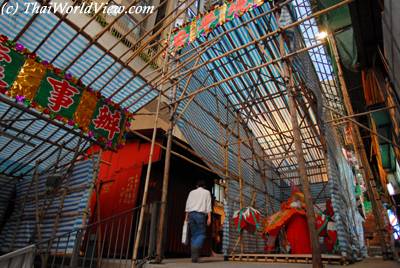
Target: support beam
291, 88
316, 252
146, 187
166, 175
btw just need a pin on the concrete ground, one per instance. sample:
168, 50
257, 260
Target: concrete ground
219, 263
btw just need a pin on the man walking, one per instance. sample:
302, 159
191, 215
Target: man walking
198, 213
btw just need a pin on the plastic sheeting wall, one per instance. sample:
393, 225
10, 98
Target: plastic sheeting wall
341, 185
252, 243
208, 145
75, 204
7, 187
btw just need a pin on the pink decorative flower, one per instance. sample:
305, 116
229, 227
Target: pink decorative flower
19, 47
20, 99
68, 76
71, 122
90, 134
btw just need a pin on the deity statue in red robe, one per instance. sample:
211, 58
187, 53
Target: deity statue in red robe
292, 219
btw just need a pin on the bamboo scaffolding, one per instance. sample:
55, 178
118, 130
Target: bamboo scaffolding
360, 150
166, 82
146, 187
270, 34
19, 219
291, 88
166, 175
316, 253
195, 68
64, 191
148, 172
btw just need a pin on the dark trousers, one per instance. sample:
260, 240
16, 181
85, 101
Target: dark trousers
197, 225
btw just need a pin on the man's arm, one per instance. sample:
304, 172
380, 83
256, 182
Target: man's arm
187, 208
209, 209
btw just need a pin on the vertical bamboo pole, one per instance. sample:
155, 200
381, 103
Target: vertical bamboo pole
25, 199
64, 180
290, 85
167, 165
37, 213
92, 189
226, 166
239, 163
98, 186
146, 185
360, 149
316, 253
148, 172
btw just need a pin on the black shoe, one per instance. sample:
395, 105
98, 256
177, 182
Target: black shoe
195, 255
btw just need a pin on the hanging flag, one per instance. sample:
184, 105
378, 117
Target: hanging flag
202, 26
108, 123
59, 95
10, 65
181, 38
207, 23
236, 9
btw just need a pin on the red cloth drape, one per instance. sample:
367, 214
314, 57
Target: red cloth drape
298, 235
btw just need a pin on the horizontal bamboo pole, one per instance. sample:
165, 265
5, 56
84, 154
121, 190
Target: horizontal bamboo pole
270, 34
247, 71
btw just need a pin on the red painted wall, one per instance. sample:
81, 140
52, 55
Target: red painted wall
118, 184
120, 179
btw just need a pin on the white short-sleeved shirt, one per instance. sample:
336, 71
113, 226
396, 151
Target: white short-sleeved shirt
199, 200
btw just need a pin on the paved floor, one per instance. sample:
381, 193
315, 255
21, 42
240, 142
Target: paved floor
219, 263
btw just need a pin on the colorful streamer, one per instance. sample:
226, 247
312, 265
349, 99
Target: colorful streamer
189, 32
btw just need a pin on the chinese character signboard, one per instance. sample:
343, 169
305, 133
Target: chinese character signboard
10, 65
38, 84
59, 95
107, 123
202, 26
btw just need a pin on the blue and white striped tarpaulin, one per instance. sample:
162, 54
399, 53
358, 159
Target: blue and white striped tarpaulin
62, 44
23, 228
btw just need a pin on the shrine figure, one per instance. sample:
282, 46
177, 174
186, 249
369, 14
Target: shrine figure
292, 220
